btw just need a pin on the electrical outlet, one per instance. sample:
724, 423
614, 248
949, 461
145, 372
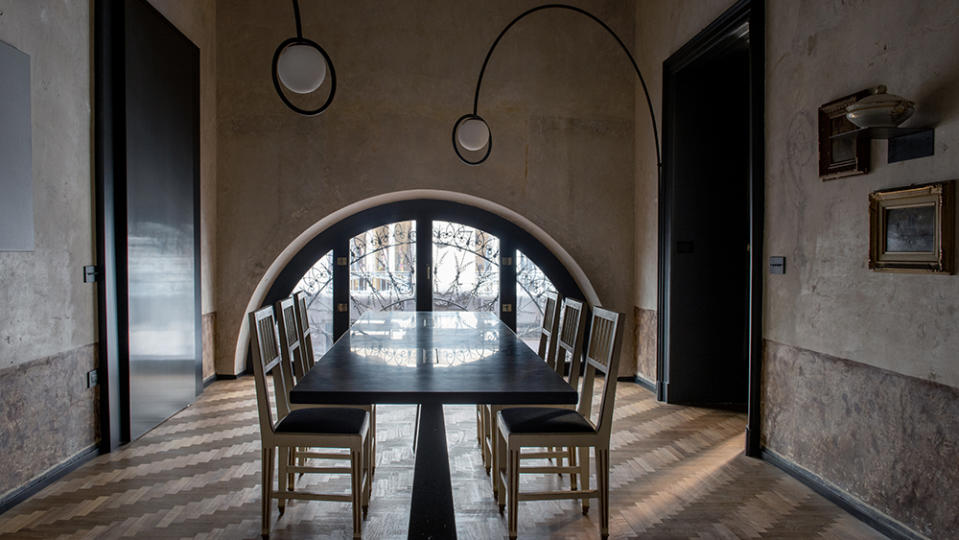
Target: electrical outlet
91, 378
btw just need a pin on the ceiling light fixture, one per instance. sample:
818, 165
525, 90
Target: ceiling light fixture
472, 139
301, 65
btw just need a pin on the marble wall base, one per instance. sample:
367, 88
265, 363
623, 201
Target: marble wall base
646, 340
47, 415
889, 440
208, 326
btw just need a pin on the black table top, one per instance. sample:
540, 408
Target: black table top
431, 357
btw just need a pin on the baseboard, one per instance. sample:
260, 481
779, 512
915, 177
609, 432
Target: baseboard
23, 493
645, 383
224, 377
209, 380
862, 511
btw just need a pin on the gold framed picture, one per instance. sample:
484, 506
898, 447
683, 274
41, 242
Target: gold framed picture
912, 229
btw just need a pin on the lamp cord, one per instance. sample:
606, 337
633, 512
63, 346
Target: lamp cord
649, 101
296, 16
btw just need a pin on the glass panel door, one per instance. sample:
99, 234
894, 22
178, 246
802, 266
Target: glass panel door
383, 269
317, 283
532, 285
465, 268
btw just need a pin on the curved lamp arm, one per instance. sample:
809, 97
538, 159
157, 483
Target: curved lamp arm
489, 54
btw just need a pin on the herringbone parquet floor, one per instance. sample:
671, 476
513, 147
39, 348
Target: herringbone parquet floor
677, 472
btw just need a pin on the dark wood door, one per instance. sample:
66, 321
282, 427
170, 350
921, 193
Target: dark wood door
707, 203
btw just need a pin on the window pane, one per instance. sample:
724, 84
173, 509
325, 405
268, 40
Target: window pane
317, 283
465, 268
531, 288
383, 269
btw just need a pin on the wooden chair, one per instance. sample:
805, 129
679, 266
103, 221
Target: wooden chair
546, 351
568, 344
327, 427
296, 346
303, 324
544, 426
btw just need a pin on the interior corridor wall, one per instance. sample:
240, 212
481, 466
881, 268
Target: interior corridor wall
860, 369
558, 95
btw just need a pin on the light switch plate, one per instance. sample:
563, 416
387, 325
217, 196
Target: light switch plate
777, 265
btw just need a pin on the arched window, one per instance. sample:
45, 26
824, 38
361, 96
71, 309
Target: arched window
423, 255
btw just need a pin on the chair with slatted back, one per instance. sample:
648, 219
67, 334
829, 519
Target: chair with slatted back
546, 350
291, 339
544, 426
305, 329
297, 350
568, 340
328, 427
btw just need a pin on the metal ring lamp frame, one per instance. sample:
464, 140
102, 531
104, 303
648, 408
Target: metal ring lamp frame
479, 82
300, 40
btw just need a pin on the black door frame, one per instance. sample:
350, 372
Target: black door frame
716, 34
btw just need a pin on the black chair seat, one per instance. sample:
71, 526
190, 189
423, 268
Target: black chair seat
323, 420
544, 420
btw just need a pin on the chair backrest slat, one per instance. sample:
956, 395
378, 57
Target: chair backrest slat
266, 359
602, 355
291, 345
548, 330
306, 331
570, 340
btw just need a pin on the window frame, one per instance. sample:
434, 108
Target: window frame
423, 211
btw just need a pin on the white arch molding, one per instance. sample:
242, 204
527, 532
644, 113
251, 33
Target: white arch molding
259, 293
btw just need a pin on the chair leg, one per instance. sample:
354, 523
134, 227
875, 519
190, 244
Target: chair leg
282, 475
495, 456
266, 479
356, 465
584, 475
416, 427
372, 436
571, 461
513, 483
499, 466
368, 465
486, 448
602, 481
292, 461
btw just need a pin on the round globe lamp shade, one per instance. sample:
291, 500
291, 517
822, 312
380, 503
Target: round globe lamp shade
473, 134
301, 68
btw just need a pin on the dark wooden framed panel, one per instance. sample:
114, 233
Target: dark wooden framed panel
148, 209
741, 25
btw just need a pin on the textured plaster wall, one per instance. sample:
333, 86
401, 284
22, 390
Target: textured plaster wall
558, 96
47, 320
860, 366
197, 20
661, 28
817, 51
47, 309
828, 301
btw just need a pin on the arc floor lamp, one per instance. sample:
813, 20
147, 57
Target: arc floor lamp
472, 138
300, 65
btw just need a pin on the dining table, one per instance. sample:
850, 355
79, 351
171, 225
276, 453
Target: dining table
431, 358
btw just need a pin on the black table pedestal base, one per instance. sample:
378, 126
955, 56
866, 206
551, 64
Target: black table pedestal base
431, 510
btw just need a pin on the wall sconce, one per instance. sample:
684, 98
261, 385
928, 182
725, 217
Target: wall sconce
300, 64
472, 138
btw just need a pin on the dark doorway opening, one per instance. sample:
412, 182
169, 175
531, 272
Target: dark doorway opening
711, 217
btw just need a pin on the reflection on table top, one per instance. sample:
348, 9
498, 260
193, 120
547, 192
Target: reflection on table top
431, 357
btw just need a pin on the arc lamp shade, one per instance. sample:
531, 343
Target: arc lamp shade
301, 68
473, 134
